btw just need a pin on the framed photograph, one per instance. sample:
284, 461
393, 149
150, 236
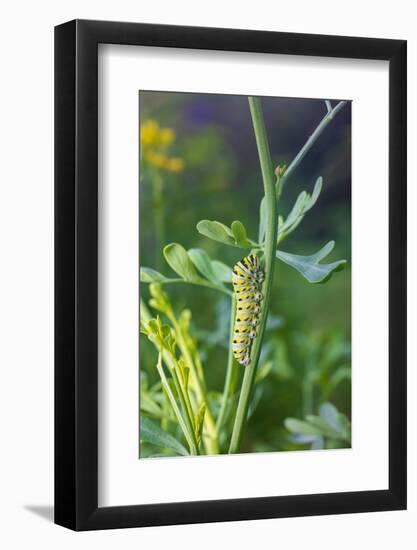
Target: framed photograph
230, 252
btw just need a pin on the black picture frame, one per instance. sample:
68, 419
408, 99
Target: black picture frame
76, 272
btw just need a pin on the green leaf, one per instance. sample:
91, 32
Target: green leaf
234, 236
240, 234
315, 195
199, 421
329, 413
159, 300
301, 427
341, 374
296, 211
153, 434
302, 205
216, 231
309, 266
345, 427
326, 429
223, 272
178, 259
148, 405
202, 262
263, 371
149, 275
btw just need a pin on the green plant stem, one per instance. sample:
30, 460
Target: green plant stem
188, 436
269, 252
280, 182
328, 117
231, 371
186, 407
210, 436
186, 393
159, 218
186, 423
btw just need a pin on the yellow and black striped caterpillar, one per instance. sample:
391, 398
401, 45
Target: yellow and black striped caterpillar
247, 279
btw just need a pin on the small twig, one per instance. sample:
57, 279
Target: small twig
311, 140
231, 371
328, 105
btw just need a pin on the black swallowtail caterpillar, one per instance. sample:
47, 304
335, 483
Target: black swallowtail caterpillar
247, 279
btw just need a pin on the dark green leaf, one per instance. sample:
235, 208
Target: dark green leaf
148, 405
152, 433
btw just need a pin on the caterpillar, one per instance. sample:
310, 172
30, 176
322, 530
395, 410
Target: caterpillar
247, 278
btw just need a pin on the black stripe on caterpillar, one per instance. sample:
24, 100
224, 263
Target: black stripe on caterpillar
247, 279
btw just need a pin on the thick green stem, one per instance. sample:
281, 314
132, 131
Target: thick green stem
269, 253
231, 371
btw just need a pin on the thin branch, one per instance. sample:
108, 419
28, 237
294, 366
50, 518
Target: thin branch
311, 140
231, 371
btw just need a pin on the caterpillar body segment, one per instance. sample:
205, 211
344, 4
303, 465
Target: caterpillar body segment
247, 279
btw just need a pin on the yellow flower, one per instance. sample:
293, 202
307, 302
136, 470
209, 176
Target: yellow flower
175, 165
166, 136
154, 141
149, 132
159, 160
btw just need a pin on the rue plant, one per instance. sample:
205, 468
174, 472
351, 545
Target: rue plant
183, 391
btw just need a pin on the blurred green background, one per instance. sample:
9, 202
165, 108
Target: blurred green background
216, 175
